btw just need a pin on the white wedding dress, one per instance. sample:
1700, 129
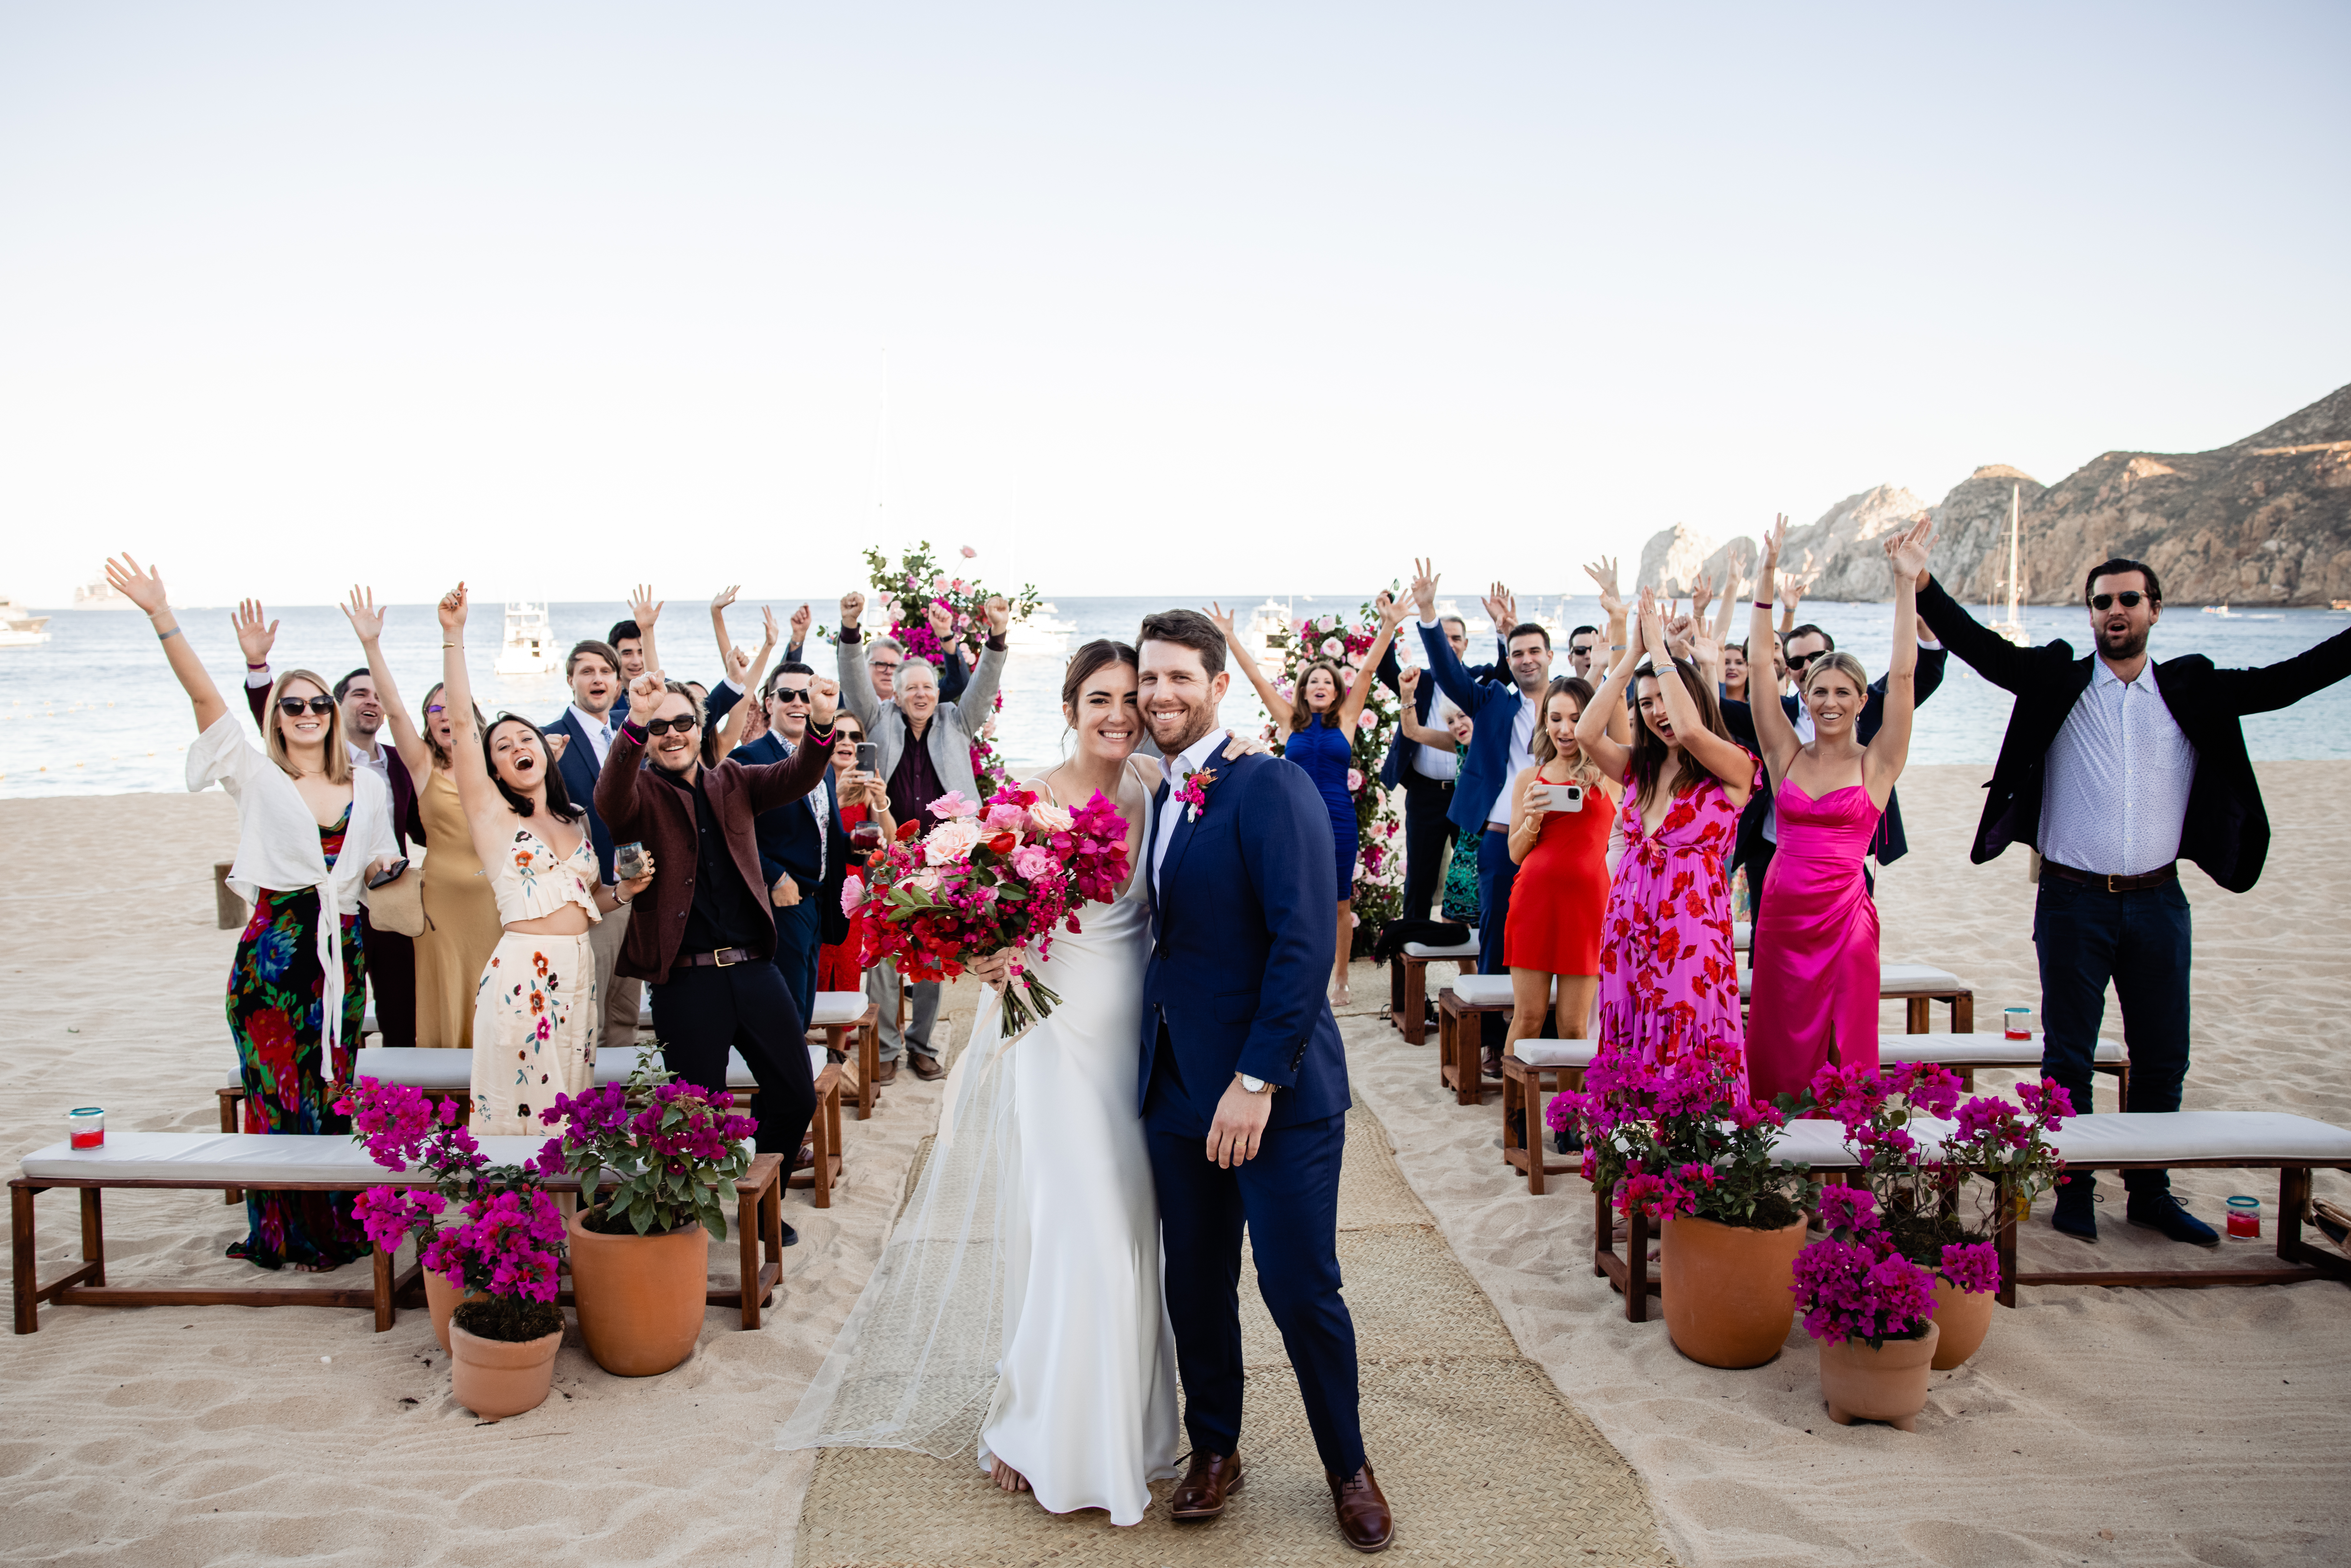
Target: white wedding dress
1016, 1310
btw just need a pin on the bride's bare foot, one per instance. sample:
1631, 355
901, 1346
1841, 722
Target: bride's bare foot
1006, 1477
1340, 996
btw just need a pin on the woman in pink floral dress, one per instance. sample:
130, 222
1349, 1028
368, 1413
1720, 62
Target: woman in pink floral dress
1668, 980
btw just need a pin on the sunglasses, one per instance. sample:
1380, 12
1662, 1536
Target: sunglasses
2130, 599
852, 736
684, 725
1798, 660
292, 707
791, 693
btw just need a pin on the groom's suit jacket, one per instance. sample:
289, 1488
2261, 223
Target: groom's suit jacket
1242, 948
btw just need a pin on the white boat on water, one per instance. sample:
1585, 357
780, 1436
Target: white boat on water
19, 627
529, 646
1041, 631
2221, 609
1270, 627
2012, 626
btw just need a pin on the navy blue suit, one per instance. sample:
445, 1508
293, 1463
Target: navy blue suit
1484, 774
791, 839
579, 768
1426, 801
1241, 950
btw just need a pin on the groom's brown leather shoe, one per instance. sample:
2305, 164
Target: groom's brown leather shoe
1363, 1517
1200, 1495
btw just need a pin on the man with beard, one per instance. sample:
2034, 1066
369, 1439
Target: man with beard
705, 942
2115, 768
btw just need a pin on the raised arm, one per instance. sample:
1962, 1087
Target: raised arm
979, 699
1889, 748
1391, 615
2283, 684
476, 791
1775, 736
800, 626
1276, 704
367, 624
746, 672
1593, 731
719, 603
1986, 652
849, 657
145, 589
1452, 679
256, 635
644, 610
1723, 757
1602, 572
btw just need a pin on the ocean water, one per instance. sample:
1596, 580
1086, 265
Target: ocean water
95, 710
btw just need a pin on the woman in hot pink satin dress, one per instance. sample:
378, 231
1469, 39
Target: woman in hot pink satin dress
1814, 996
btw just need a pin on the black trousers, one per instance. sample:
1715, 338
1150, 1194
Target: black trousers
701, 1013
391, 976
1425, 834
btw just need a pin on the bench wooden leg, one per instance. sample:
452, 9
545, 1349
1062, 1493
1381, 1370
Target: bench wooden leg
1916, 1017
229, 1101
384, 1311
1636, 1261
22, 1261
2004, 1241
869, 1068
1538, 1140
749, 1201
1963, 1013
1415, 1001
1445, 1033
93, 1235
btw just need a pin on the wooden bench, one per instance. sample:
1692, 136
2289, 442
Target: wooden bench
1460, 1053
824, 1137
837, 1012
1524, 1084
1408, 985
303, 1163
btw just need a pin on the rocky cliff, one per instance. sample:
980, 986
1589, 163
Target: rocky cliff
2265, 520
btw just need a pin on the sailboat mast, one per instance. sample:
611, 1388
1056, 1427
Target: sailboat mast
2013, 492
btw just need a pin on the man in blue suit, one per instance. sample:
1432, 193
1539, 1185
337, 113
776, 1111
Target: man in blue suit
1424, 775
796, 838
587, 726
1501, 744
1243, 1080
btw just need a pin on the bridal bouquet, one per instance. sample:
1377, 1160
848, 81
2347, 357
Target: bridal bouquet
999, 877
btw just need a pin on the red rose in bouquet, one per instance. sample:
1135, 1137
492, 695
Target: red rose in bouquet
995, 878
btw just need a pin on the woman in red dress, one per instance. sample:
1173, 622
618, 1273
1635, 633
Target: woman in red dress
1560, 811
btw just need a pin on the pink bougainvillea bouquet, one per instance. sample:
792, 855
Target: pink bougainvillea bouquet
997, 877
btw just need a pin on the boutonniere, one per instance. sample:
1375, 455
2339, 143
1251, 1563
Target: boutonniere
1194, 796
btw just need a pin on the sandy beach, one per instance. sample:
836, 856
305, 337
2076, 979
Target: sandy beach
2102, 1426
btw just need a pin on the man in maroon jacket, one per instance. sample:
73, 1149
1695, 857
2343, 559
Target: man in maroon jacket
705, 942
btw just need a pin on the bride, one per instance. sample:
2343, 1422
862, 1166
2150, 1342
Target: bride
1016, 1306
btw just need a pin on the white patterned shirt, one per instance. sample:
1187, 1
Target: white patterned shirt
2115, 794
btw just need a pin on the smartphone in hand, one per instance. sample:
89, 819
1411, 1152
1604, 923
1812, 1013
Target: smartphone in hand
1565, 797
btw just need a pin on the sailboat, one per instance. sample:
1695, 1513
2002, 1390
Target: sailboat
1041, 631
2012, 628
529, 646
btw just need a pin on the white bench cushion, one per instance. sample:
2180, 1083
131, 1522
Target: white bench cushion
1555, 1053
247, 1159
2163, 1136
1943, 1049
1458, 951
1892, 980
837, 1007
1742, 936
424, 1067
1490, 990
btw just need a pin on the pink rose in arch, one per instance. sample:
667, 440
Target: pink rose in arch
1354, 780
968, 552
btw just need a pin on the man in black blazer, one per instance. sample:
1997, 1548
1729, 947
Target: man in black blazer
1757, 842
797, 839
588, 725
2115, 768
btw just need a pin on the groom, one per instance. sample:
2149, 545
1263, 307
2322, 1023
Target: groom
1244, 1082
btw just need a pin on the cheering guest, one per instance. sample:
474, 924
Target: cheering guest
1561, 812
2103, 758
705, 942
312, 831
795, 840
535, 1007
1322, 740
1424, 770
391, 954
1814, 1000
461, 915
586, 727
862, 799
1579, 652
1669, 981
926, 753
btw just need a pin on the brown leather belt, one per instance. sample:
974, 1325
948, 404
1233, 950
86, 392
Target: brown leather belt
720, 959
2109, 883
1495, 828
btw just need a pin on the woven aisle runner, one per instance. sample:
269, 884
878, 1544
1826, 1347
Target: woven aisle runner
1479, 1455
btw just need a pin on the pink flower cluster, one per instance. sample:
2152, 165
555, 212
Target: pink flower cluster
670, 1150
511, 1244
1853, 1283
1677, 1140
994, 877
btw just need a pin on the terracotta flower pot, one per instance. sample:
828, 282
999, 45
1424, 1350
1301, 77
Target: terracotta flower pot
496, 1378
1888, 1384
441, 1299
639, 1298
1964, 1317
1728, 1295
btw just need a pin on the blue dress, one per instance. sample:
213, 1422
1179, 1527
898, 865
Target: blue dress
1326, 754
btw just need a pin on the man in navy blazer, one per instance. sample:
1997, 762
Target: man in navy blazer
795, 839
1500, 745
593, 671
1242, 1081
1425, 776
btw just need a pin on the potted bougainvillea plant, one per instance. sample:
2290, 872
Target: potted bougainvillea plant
1935, 1168
1682, 1144
664, 1155
492, 1277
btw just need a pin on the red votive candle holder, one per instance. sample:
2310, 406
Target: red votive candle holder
2016, 1023
86, 1127
2245, 1219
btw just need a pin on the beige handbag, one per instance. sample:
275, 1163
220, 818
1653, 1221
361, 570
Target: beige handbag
399, 904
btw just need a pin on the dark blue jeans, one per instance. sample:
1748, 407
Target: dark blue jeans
1496, 872
2141, 941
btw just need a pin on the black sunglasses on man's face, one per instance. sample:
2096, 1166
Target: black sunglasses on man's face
2130, 599
791, 693
684, 723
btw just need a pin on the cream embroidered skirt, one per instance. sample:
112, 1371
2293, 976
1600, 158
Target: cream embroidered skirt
534, 1030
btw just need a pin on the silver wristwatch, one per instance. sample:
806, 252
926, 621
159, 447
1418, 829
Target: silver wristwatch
1253, 1085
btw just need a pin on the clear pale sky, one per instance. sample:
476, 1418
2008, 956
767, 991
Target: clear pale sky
1208, 297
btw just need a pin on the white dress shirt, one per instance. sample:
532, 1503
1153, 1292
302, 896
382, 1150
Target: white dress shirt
2115, 792
1179, 769
1433, 762
599, 730
1523, 757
